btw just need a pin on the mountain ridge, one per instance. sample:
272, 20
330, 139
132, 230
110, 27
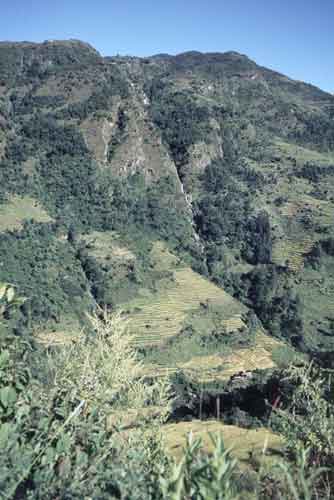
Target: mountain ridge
227, 162
213, 55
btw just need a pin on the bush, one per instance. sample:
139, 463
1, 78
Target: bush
309, 419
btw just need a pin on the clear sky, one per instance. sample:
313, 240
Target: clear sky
295, 37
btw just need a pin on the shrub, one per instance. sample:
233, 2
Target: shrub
309, 418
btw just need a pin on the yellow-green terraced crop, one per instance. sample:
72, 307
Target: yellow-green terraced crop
155, 318
209, 368
292, 252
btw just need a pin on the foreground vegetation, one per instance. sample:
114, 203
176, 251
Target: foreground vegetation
55, 440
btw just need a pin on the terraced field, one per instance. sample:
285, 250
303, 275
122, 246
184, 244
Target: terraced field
259, 444
286, 150
104, 245
291, 209
316, 291
250, 446
220, 367
234, 323
53, 339
322, 210
290, 252
159, 316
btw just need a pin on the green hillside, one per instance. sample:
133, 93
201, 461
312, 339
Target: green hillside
228, 163
167, 262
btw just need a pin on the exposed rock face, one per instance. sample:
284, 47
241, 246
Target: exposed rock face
71, 72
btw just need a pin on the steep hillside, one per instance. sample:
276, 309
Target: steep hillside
230, 164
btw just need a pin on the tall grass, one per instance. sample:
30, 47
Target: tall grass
104, 369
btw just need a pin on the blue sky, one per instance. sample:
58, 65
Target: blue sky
295, 37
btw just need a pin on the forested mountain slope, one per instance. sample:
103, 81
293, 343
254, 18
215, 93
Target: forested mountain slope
228, 164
